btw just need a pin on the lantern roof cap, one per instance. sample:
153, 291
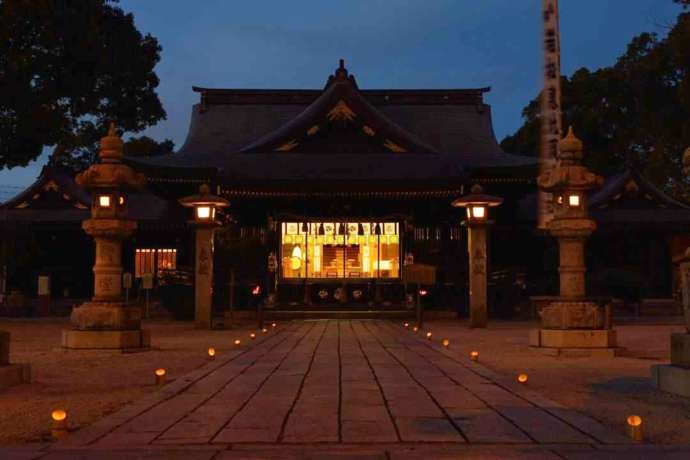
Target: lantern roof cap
570, 144
204, 197
477, 197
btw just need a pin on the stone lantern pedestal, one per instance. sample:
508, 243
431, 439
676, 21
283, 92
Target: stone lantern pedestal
572, 325
107, 322
11, 374
675, 377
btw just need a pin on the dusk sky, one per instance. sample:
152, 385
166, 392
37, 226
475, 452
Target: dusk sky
386, 44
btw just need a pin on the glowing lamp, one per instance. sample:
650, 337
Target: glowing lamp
428, 335
59, 423
407, 325
160, 376
634, 427
104, 201
574, 200
522, 378
211, 353
423, 292
474, 356
446, 343
204, 204
476, 204
264, 330
415, 329
273, 324
252, 336
478, 212
256, 290
238, 342
121, 200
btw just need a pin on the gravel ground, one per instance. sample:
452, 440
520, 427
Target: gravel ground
608, 389
91, 384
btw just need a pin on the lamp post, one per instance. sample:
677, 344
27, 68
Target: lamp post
572, 321
204, 205
477, 205
106, 321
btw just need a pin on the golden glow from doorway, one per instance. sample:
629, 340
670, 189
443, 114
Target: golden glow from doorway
340, 250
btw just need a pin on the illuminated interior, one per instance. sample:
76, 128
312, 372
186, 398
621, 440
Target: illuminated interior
146, 259
340, 250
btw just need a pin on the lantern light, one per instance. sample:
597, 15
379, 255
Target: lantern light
160, 376
428, 335
59, 423
415, 329
574, 200
264, 330
256, 290
479, 212
446, 343
203, 212
252, 336
634, 427
204, 204
407, 325
238, 342
211, 353
522, 378
423, 292
476, 204
121, 200
474, 356
104, 201
273, 324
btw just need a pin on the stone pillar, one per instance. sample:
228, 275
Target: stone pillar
107, 322
572, 264
477, 254
203, 277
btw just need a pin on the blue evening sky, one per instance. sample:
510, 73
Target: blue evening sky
386, 44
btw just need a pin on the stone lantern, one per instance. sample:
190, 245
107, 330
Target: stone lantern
572, 321
477, 205
106, 321
205, 205
675, 377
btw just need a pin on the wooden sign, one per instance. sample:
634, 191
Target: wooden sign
147, 281
419, 274
44, 285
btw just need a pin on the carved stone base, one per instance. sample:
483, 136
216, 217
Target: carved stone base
672, 379
14, 374
106, 316
106, 340
573, 339
572, 315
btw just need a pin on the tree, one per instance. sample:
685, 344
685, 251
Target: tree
144, 146
68, 68
636, 111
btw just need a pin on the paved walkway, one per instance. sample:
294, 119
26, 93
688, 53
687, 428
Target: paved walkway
345, 389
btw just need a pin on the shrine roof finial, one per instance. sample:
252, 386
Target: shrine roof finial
111, 145
341, 71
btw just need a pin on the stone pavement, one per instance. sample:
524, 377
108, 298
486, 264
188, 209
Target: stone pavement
345, 390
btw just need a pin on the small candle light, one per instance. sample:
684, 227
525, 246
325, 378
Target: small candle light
474, 356
273, 324
446, 343
238, 342
415, 329
407, 325
428, 335
522, 378
264, 330
160, 376
211, 353
59, 425
252, 336
634, 427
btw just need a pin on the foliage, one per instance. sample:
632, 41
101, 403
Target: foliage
68, 68
144, 146
637, 110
